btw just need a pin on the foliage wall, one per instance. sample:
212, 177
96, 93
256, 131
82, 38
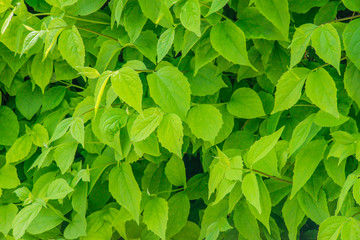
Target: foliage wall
179, 119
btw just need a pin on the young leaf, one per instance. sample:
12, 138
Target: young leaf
321, 89
245, 103
326, 42
350, 181
179, 209
289, 87
20, 149
331, 227
351, 40
64, 155
263, 146
9, 177
245, 222
127, 85
58, 189
300, 42
156, 216
175, 171
170, 133
31, 39
7, 215
144, 125
216, 5
306, 162
24, 218
277, 12
251, 191
352, 86
165, 42
316, 209
229, 41
61, 129
71, 47
77, 130
40, 136
124, 188
293, 216
190, 16
9, 126
353, 5
205, 121
170, 90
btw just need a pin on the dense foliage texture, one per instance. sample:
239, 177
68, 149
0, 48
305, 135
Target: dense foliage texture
179, 119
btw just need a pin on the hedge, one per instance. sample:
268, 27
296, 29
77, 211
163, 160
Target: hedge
179, 119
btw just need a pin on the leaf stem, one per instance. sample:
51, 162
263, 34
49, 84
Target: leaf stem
345, 19
72, 17
265, 174
96, 33
58, 213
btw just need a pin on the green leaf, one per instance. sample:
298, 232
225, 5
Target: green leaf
300, 42
55, 28
352, 86
190, 16
349, 182
264, 29
179, 208
58, 189
28, 101
277, 12
175, 171
303, 133
31, 39
306, 162
331, 228
206, 81
165, 42
9, 126
351, 230
356, 190
9, 177
144, 125
20, 149
265, 202
216, 5
229, 41
326, 42
293, 216
245, 222
61, 129
245, 103
251, 190
263, 146
41, 71
40, 136
321, 89
52, 98
353, 5
134, 19
5, 5
326, 13
71, 47
76, 228
318, 210
205, 121
289, 87
77, 130
127, 85
156, 216
46, 220
64, 155
7, 215
124, 188
170, 90
88, 72
170, 133
324, 119
351, 37
24, 218
111, 121
146, 43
